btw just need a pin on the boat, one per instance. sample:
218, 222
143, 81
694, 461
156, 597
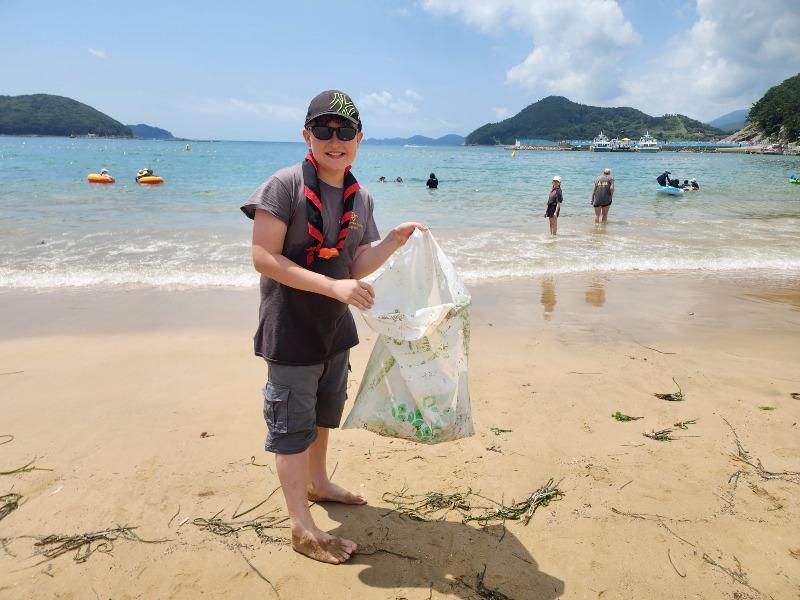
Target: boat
601, 144
97, 178
150, 180
670, 190
623, 145
647, 143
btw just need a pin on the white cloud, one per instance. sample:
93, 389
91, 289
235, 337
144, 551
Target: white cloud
577, 44
726, 60
385, 103
235, 107
96, 52
735, 51
501, 112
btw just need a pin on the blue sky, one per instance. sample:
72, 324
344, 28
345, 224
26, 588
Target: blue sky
246, 70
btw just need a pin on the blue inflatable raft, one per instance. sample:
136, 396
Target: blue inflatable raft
668, 189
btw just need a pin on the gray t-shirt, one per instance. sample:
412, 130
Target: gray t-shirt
298, 327
602, 192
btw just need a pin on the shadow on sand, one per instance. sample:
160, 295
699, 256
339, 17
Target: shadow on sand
448, 557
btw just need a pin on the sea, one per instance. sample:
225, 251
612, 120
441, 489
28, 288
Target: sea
59, 231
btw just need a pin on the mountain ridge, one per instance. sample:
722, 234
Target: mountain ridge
558, 118
451, 139
48, 114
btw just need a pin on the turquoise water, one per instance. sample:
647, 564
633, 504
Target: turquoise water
486, 214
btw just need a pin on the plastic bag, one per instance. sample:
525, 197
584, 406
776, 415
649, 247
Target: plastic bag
415, 385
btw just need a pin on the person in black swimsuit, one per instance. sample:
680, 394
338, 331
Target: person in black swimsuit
554, 200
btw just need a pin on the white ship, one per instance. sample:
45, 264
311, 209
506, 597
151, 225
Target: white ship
647, 143
601, 144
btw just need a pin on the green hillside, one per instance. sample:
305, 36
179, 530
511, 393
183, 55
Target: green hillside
557, 118
45, 114
777, 113
148, 132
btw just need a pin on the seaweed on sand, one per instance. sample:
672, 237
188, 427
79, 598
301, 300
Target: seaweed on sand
624, 418
420, 506
662, 435
220, 527
673, 396
8, 503
521, 510
683, 424
86, 544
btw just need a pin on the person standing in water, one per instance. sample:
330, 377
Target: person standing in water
554, 200
432, 182
602, 195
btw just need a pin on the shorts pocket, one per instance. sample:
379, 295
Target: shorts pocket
276, 407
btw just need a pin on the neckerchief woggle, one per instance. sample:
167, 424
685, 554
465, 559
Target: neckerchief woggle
314, 211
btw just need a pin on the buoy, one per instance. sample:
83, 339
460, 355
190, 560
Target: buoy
188, 148
513, 153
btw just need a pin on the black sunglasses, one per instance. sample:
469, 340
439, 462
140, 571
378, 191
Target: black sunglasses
323, 132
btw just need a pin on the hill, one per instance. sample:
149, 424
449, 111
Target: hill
777, 114
45, 114
558, 118
450, 139
148, 132
730, 122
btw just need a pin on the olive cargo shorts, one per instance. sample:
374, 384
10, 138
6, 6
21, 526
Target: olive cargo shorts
298, 399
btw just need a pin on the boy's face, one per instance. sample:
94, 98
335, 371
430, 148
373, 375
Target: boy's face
333, 154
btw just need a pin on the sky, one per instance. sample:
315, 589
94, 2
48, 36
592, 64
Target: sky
247, 70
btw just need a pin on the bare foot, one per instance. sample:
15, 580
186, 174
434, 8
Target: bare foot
322, 546
330, 492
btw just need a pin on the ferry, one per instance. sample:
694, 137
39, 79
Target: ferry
647, 143
623, 145
601, 144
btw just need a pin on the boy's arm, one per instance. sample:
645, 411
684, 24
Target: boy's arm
369, 258
268, 236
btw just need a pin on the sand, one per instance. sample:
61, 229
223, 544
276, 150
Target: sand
145, 409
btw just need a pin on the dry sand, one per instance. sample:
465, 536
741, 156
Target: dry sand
112, 391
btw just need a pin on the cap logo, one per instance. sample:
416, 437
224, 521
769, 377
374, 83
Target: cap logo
342, 105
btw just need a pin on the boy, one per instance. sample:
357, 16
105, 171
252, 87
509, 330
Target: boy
312, 234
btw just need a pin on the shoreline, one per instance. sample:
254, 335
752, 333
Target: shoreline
115, 391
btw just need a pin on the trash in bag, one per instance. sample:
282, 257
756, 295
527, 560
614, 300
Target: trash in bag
415, 385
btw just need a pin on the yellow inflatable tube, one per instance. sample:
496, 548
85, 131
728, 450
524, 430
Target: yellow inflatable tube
151, 180
97, 178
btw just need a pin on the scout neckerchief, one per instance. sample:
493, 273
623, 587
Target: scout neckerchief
314, 211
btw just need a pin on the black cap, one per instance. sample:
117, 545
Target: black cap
333, 103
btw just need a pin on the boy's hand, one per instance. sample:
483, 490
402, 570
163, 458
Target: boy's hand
402, 232
354, 292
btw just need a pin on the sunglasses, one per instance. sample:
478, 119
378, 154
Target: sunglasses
323, 132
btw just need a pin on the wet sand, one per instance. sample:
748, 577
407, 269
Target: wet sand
113, 391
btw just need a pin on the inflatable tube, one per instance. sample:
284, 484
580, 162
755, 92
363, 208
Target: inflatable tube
668, 189
794, 178
97, 178
151, 180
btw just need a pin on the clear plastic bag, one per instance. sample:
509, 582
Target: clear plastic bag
415, 385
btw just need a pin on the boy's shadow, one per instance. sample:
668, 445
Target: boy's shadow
446, 556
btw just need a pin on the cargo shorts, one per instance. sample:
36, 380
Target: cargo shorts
298, 399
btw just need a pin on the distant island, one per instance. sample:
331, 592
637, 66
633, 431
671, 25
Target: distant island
148, 132
558, 118
730, 122
450, 139
46, 114
775, 118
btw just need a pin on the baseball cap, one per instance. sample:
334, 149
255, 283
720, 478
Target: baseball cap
557, 178
333, 103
